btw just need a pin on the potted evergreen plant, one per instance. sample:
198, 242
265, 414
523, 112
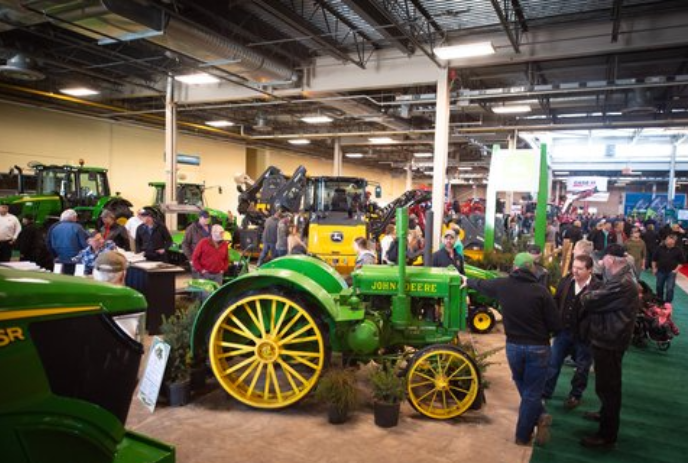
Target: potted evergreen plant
176, 331
337, 389
388, 392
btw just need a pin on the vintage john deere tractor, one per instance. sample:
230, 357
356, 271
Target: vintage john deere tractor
69, 358
269, 334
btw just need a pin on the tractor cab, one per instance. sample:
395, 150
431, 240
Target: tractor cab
337, 218
80, 186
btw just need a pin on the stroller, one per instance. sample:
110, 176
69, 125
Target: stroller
653, 322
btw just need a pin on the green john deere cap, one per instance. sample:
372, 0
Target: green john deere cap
523, 260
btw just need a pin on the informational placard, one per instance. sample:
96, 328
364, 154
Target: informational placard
515, 170
149, 389
576, 184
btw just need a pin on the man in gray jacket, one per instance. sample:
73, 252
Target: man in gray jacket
193, 235
269, 237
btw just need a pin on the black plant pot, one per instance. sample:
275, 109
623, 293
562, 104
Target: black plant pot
386, 415
337, 416
198, 376
179, 393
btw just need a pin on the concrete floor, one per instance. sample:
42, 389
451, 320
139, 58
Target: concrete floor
217, 429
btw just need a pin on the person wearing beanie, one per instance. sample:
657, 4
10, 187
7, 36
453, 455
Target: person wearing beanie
530, 316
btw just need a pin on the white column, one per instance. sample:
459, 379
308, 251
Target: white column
337, 163
170, 153
441, 152
671, 193
409, 176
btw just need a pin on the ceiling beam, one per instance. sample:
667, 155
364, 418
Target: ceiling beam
379, 21
616, 17
503, 15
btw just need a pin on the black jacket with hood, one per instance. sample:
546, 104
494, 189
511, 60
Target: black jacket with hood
530, 315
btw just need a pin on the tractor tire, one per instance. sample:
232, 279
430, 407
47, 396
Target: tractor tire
267, 349
481, 320
442, 382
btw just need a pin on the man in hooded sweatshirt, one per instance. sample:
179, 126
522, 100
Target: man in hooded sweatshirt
530, 317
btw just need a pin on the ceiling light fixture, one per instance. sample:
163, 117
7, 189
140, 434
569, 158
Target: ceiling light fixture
300, 141
220, 123
354, 155
79, 91
199, 78
513, 109
465, 168
563, 172
422, 155
380, 140
467, 50
319, 119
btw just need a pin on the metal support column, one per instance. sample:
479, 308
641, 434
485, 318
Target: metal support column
409, 176
170, 153
671, 192
441, 153
337, 164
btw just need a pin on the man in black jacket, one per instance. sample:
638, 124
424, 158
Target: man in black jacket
607, 320
529, 316
666, 261
447, 256
567, 341
152, 238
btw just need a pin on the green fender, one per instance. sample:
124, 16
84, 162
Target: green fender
313, 268
263, 278
476, 272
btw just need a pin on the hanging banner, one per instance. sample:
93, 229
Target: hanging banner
575, 184
515, 170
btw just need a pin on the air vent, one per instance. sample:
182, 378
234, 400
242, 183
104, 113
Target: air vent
639, 102
19, 67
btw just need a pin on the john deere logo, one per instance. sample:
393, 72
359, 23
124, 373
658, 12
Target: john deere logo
337, 237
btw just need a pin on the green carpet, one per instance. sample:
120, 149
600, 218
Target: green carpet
654, 412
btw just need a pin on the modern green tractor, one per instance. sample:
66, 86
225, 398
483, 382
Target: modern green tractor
269, 334
69, 357
84, 189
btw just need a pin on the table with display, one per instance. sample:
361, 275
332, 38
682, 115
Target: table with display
156, 281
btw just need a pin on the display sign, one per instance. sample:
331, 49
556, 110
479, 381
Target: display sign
683, 214
149, 389
575, 184
515, 170
647, 205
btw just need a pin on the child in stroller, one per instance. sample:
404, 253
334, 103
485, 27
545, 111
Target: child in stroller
654, 321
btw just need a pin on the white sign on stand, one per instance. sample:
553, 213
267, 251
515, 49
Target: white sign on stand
149, 389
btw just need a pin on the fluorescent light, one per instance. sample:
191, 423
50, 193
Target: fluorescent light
299, 141
562, 173
354, 155
464, 51
380, 140
422, 155
221, 123
197, 79
465, 168
79, 91
523, 108
317, 119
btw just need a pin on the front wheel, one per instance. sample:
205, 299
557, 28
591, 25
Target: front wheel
443, 382
267, 351
481, 320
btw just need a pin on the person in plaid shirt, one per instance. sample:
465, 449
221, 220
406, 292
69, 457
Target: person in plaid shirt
96, 246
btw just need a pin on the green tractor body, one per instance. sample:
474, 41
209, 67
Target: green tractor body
70, 359
268, 334
84, 189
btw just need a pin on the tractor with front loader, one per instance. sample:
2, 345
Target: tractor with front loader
269, 334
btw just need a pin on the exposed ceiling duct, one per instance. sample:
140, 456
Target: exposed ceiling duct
357, 109
128, 20
20, 67
639, 102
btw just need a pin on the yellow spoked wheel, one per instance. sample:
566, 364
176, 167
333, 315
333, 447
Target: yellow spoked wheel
267, 351
481, 321
442, 382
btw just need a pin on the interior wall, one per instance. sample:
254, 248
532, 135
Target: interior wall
133, 155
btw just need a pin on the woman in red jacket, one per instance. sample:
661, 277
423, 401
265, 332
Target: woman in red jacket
210, 258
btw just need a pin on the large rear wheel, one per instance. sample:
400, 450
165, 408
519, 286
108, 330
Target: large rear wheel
442, 382
267, 350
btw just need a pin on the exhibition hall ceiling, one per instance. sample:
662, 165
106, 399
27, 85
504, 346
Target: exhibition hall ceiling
363, 69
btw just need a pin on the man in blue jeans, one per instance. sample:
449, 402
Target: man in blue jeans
529, 317
567, 341
666, 261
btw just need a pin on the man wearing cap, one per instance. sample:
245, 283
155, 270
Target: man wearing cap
193, 235
9, 231
88, 255
152, 238
539, 270
530, 316
666, 261
131, 226
29, 241
211, 257
112, 231
606, 320
110, 267
447, 255
65, 239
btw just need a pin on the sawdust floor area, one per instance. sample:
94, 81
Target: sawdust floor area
215, 428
